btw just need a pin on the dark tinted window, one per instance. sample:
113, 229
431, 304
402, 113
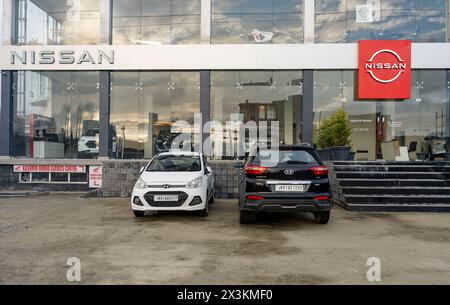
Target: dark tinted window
274, 157
172, 163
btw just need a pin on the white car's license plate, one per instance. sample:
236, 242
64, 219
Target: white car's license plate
289, 188
165, 198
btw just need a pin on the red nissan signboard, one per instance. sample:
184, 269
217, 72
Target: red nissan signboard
384, 69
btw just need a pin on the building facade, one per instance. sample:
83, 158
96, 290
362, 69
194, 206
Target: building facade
107, 79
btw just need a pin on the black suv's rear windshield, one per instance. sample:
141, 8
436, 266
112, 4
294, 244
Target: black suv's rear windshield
270, 157
175, 163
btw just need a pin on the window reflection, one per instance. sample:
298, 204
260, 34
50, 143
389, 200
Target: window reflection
257, 21
56, 114
269, 96
408, 122
56, 22
156, 22
340, 21
145, 106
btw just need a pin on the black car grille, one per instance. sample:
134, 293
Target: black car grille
149, 197
91, 144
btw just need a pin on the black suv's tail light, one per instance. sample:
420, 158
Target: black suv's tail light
255, 197
255, 170
319, 170
321, 198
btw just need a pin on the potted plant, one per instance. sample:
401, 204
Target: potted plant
334, 135
324, 141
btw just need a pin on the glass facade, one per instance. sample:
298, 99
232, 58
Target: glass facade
147, 109
56, 22
156, 22
269, 96
341, 21
56, 114
79, 22
257, 21
410, 122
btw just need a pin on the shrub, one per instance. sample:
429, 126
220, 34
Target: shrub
335, 131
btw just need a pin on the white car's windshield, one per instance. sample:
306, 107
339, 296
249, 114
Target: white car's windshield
175, 163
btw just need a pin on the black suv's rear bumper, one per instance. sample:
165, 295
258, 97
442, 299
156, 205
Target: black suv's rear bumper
286, 203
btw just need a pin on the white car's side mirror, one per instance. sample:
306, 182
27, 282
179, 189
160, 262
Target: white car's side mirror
142, 169
208, 169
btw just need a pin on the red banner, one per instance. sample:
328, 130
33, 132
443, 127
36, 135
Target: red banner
41, 168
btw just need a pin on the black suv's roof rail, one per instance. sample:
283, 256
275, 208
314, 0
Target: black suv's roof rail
301, 145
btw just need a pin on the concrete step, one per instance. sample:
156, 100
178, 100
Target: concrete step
431, 208
396, 190
388, 163
390, 168
397, 199
393, 183
392, 175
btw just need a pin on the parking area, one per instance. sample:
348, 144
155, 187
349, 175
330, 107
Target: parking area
39, 233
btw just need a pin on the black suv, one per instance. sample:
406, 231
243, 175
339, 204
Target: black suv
294, 181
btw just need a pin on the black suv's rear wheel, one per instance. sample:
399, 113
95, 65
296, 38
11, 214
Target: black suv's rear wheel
322, 217
138, 213
247, 217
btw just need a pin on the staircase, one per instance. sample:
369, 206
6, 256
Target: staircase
391, 186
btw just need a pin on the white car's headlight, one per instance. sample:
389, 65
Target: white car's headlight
140, 184
196, 183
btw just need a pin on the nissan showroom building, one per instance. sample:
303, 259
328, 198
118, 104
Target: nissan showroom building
90, 89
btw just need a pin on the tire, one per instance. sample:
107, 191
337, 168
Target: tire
204, 212
212, 200
247, 217
138, 213
322, 218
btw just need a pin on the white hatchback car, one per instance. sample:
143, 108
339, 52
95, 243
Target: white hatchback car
174, 181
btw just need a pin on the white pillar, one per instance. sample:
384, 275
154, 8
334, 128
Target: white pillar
6, 15
205, 26
105, 18
309, 21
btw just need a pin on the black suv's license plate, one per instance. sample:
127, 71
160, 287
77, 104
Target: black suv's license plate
299, 188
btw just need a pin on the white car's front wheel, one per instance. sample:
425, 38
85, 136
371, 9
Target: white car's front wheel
211, 199
205, 211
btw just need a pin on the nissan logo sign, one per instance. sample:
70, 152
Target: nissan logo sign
397, 66
384, 69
